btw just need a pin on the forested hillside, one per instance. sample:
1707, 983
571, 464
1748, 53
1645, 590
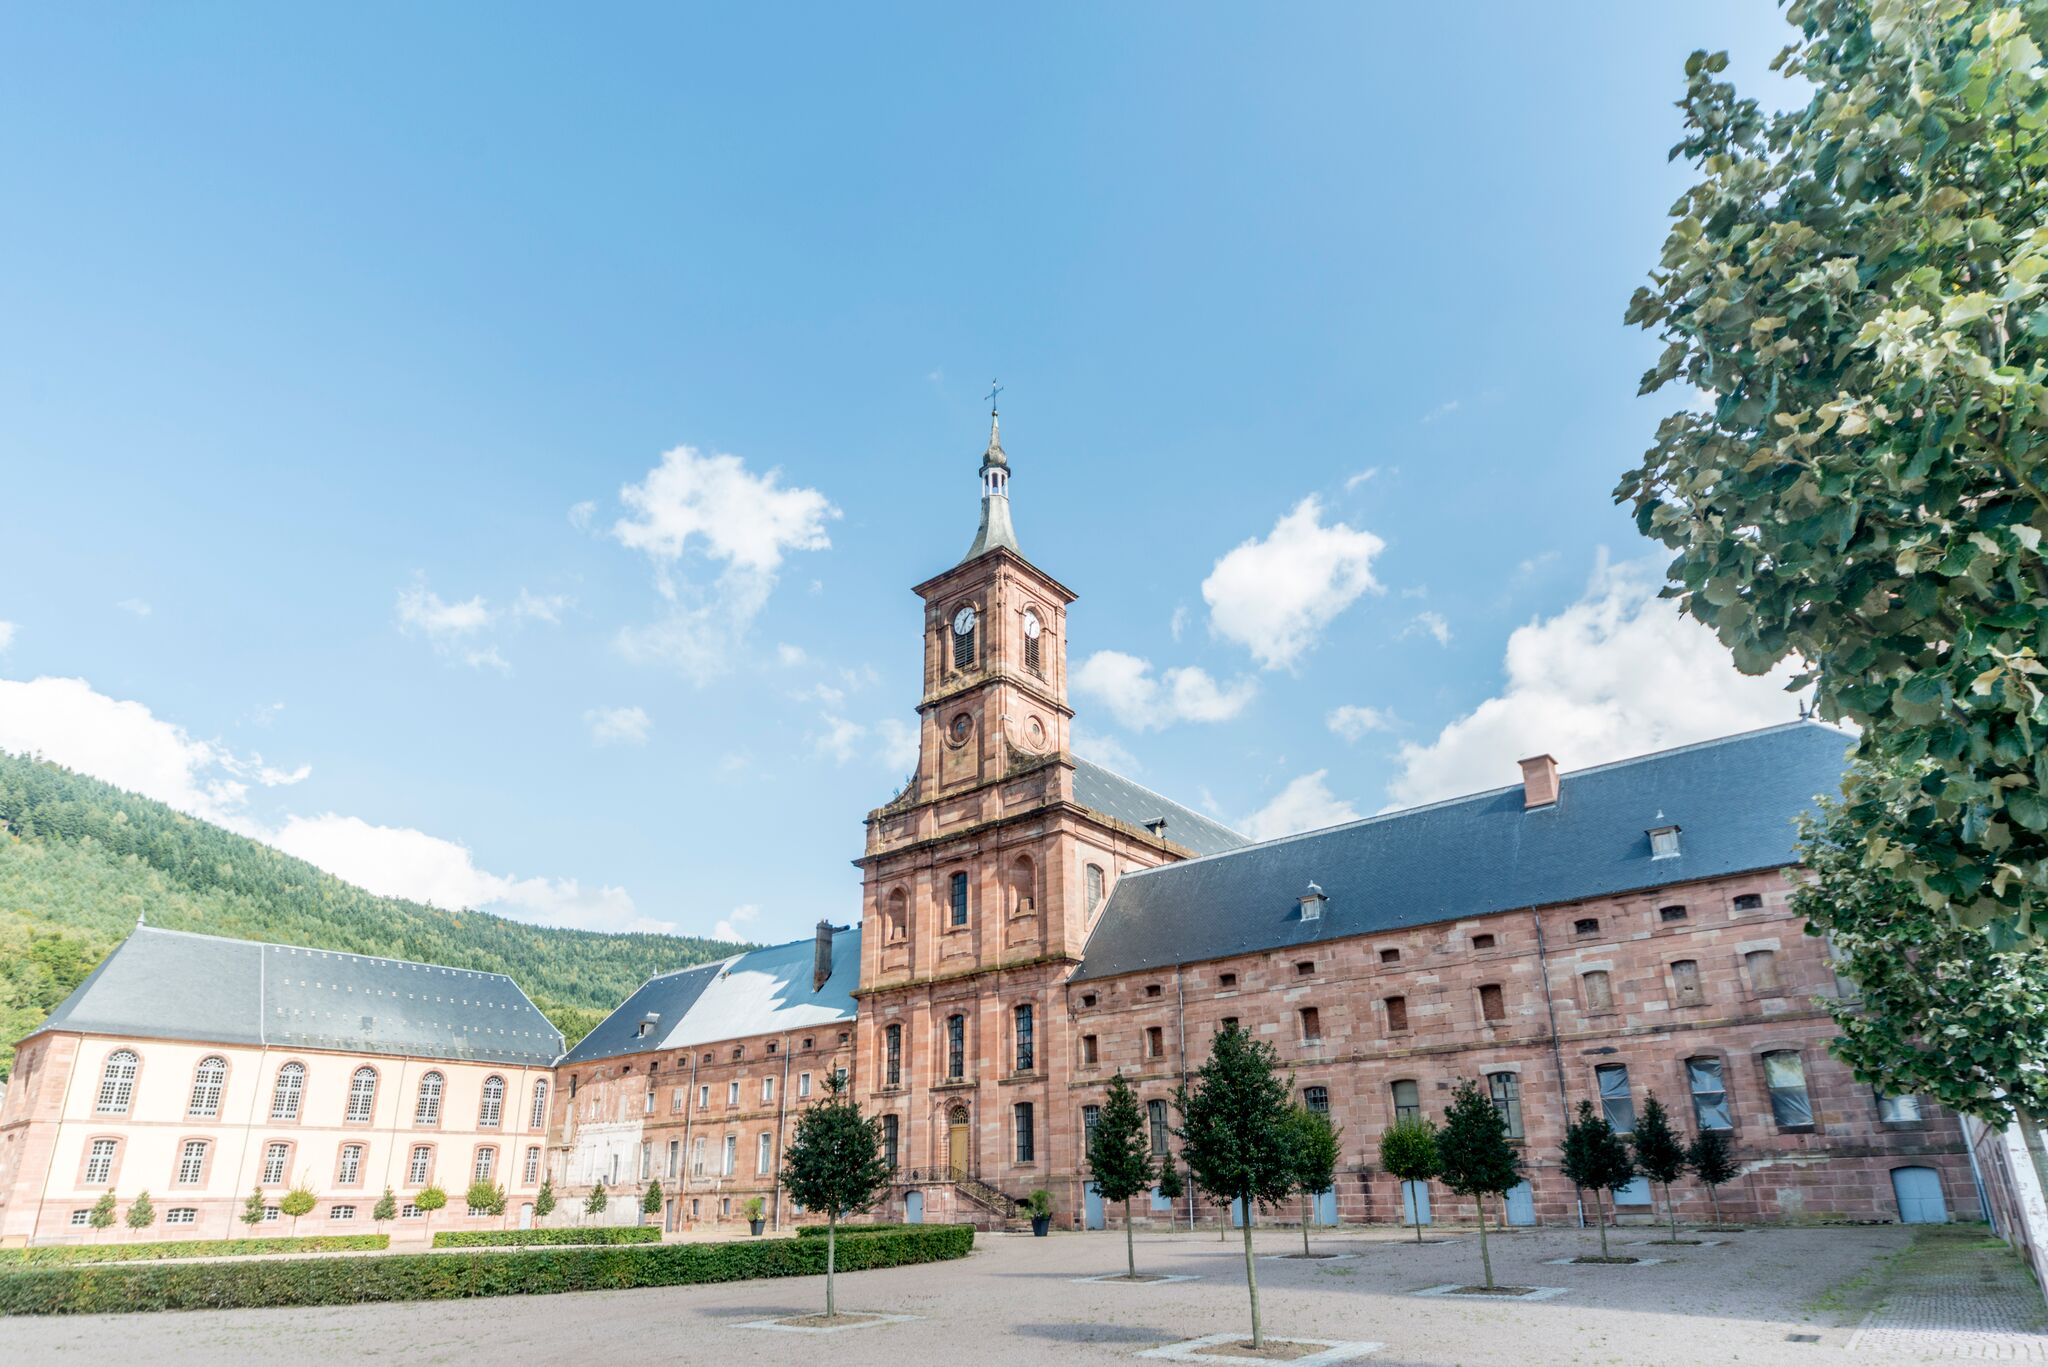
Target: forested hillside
80, 860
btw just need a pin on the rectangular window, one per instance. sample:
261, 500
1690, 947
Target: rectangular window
1026, 1148
1749, 901
422, 1162
342, 1213
1586, 925
1390, 956
1305, 969
486, 1162
764, 1153
803, 1084
675, 1100
732, 1155
963, 649
1595, 991
889, 1140
732, 1093
1091, 1116
697, 1157
1407, 1101
956, 1047
1685, 982
1616, 1100
1155, 1116
675, 1158
533, 1162
1491, 1005
1317, 1099
272, 1214
1762, 967
1031, 654
1155, 1042
1088, 1050
183, 1215
351, 1169
648, 1108
1024, 1043
1666, 915
1785, 1076
892, 1056
703, 1096
1397, 1014
957, 898
1227, 1023
767, 1091
1506, 1089
1709, 1094
408, 1211
275, 1156
192, 1163
81, 1218
646, 1160
1227, 980
1896, 1109
1311, 1024
1482, 942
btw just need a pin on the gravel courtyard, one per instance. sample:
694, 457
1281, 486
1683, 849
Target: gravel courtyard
1014, 1301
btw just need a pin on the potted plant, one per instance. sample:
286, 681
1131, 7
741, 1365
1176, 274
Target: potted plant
755, 1208
1038, 1205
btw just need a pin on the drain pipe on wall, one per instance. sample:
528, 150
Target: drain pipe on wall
1556, 1050
1180, 1026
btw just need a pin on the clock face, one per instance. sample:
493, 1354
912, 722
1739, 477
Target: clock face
963, 621
1031, 627
962, 726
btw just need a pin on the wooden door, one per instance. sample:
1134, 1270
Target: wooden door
956, 1147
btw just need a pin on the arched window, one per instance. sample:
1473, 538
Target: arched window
1023, 887
277, 1156
291, 1086
1094, 877
493, 1106
1507, 1099
1407, 1101
362, 1095
207, 1080
428, 1112
533, 1164
540, 1107
898, 927
485, 1163
192, 1162
117, 1083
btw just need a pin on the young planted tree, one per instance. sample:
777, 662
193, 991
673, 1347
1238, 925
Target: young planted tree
1120, 1157
595, 1203
252, 1209
1474, 1157
1315, 1162
1171, 1188
1408, 1154
544, 1203
650, 1200
484, 1198
1596, 1159
429, 1200
385, 1209
141, 1215
298, 1201
1713, 1164
834, 1163
1659, 1154
1236, 1138
102, 1217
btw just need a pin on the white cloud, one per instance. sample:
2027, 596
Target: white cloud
134, 606
1442, 410
487, 657
7, 630
896, 744
1352, 721
789, 656
1363, 477
580, 514
1617, 673
1125, 684
1430, 624
541, 607
1103, 749
729, 928
839, 739
421, 609
618, 725
1179, 623
1306, 804
454, 628
265, 714
1274, 596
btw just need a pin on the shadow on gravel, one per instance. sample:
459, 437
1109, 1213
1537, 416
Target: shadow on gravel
1096, 1333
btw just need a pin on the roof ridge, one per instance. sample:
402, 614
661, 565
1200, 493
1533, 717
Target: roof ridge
315, 949
1795, 725
1154, 792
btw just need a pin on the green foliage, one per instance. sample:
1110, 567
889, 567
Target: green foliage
1937, 1012
298, 1201
430, 1199
879, 1227
1856, 287
1315, 1151
496, 1238
170, 1250
141, 1214
544, 1203
1235, 1135
1474, 1157
484, 1198
834, 1162
650, 1199
252, 1208
79, 859
1710, 1160
1119, 1151
595, 1203
1596, 1159
1170, 1185
430, 1276
102, 1216
1408, 1150
1659, 1155
385, 1209
1038, 1205
755, 1208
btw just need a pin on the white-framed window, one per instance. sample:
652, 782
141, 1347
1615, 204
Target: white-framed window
675, 1100
647, 1107
732, 1153
485, 1163
272, 1214
290, 1088
532, 1164
117, 1083
422, 1162
191, 1162
99, 1161
675, 1159
275, 1155
803, 1084
1898, 1108
351, 1168
182, 1215
493, 1107
80, 1218
1506, 1091
703, 1096
697, 1157
767, 1090
646, 1161
539, 1116
207, 1080
409, 1211
428, 1111
362, 1095
342, 1213
765, 1157
732, 1093
1094, 879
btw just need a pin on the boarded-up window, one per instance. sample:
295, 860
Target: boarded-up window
1685, 982
1087, 1048
1311, 1023
1491, 1005
1155, 1042
1762, 966
1397, 1013
1595, 991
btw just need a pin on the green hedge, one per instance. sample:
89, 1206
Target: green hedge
818, 1231
192, 1248
427, 1276
538, 1238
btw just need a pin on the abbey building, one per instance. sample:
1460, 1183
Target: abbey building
1032, 923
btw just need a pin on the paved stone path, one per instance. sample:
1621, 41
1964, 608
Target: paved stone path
1955, 1294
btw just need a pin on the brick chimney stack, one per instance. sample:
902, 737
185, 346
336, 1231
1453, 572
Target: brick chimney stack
1539, 782
821, 957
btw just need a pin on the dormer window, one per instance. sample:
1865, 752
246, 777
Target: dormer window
1312, 903
1663, 842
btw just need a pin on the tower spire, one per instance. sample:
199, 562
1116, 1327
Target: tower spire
995, 527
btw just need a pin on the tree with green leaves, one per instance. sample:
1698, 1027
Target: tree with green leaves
385, 1209
298, 1201
1856, 287
544, 1202
141, 1214
834, 1163
650, 1199
430, 1199
1120, 1157
1315, 1162
1596, 1159
1658, 1153
1710, 1160
597, 1200
101, 1217
1171, 1188
1935, 1011
1474, 1156
484, 1198
1408, 1153
252, 1208
1236, 1137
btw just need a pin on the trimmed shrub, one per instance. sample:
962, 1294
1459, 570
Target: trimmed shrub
818, 1231
193, 1248
427, 1276
533, 1238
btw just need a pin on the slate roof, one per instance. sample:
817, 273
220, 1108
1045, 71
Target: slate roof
1100, 790
1734, 800
760, 992
170, 984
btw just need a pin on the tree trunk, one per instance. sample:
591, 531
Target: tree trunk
1251, 1276
831, 1250
1416, 1203
1714, 1200
1671, 1209
1308, 1210
1485, 1258
1130, 1251
1600, 1215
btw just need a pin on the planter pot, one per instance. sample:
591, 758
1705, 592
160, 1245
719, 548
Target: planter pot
756, 1226
1040, 1224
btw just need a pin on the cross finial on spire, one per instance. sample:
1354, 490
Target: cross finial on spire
993, 390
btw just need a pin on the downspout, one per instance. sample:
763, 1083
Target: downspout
1180, 1027
685, 1176
1556, 1050
781, 1110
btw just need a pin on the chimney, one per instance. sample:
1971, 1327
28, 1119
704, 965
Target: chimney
821, 957
1539, 782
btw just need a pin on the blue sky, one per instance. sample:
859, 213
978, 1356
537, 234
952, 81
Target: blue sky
487, 449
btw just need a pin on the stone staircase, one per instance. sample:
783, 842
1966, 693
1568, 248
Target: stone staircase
1005, 1212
